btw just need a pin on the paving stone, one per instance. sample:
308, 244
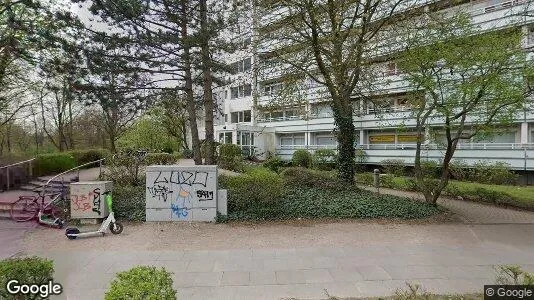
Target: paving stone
379, 288
201, 265
317, 276
288, 277
262, 277
373, 273
263, 253
235, 278
346, 274
207, 278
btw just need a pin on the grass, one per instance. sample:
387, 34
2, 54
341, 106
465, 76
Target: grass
510, 195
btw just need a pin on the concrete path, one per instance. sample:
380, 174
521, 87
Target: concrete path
11, 237
471, 212
274, 261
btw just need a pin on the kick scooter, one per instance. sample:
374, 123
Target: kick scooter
115, 227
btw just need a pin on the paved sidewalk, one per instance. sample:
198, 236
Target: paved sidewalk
443, 258
471, 212
11, 237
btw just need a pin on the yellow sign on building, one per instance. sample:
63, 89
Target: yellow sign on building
382, 139
407, 138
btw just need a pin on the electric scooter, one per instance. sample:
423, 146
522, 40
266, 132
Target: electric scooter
115, 227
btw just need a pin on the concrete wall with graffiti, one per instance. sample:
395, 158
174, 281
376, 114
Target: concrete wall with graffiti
181, 193
87, 199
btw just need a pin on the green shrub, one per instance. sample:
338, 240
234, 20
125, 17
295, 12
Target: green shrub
388, 181
129, 202
230, 157
123, 168
460, 170
306, 202
497, 173
86, 156
301, 158
298, 176
394, 167
274, 164
161, 159
483, 172
258, 187
54, 163
324, 159
365, 178
142, 283
360, 158
28, 270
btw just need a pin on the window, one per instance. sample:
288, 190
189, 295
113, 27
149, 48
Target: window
392, 68
241, 116
225, 118
247, 116
242, 65
225, 137
245, 42
290, 139
530, 36
272, 89
241, 91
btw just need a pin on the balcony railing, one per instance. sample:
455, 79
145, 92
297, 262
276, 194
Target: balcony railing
307, 147
498, 6
467, 146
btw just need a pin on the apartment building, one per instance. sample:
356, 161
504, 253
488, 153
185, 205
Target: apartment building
310, 124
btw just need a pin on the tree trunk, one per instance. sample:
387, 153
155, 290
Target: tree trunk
345, 139
208, 82
188, 88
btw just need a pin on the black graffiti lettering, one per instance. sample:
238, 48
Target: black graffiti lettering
96, 201
159, 191
204, 195
162, 180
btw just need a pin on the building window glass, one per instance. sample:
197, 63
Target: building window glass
272, 89
241, 91
291, 139
241, 116
530, 35
246, 116
242, 65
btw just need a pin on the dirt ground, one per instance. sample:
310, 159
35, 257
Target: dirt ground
295, 234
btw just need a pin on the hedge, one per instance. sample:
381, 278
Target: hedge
28, 270
257, 187
303, 193
521, 197
86, 156
324, 159
230, 157
161, 159
53, 163
129, 202
301, 158
142, 282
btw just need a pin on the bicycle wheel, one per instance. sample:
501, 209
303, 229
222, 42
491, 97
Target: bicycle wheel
24, 209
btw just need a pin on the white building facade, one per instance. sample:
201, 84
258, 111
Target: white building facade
310, 125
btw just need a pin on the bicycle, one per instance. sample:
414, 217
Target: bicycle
28, 208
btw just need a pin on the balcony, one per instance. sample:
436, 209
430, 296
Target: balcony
519, 156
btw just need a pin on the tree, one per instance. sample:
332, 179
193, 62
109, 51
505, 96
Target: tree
171, 113
331, 43
26, 29
473, 84
116, 87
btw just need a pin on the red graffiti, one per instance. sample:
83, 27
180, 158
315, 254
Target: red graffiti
82, 202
